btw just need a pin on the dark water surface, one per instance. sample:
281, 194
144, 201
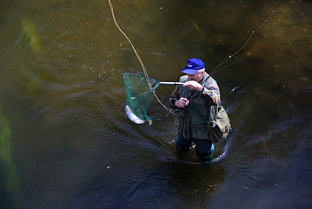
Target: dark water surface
67, 143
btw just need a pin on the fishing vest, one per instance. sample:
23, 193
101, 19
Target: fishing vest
192, 125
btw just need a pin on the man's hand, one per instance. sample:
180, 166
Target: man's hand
182, 102
193, 86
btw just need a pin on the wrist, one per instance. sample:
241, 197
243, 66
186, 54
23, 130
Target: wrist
174, 102
201, 90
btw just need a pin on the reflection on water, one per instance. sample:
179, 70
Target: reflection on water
71, 144
30, 31
10, 190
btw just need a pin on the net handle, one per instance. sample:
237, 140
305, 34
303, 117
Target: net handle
171, 83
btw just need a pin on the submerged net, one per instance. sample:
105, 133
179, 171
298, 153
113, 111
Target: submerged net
140, 92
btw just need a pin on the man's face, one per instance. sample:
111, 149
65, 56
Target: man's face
196, 77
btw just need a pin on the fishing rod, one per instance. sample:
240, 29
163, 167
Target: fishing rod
243, 43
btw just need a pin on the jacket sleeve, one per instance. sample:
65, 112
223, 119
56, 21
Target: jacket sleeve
175, 94
174, 97
214, 94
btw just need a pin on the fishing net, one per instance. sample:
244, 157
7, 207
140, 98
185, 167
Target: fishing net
140, 93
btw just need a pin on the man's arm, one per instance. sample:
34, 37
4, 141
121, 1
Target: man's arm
213, 93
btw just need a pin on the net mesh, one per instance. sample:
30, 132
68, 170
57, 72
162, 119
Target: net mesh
140, 93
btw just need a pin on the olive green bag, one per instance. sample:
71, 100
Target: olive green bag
220, 127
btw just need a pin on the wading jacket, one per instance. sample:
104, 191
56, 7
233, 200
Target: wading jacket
192, 125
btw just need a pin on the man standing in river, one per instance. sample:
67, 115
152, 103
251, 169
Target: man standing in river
196, 101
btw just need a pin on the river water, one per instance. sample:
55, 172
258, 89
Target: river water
66, 141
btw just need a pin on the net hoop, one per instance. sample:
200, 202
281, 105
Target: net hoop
150, 81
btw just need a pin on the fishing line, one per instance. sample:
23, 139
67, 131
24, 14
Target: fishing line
138, 57
249, 51
244, 42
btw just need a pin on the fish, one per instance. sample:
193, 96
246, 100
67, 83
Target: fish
132, 116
